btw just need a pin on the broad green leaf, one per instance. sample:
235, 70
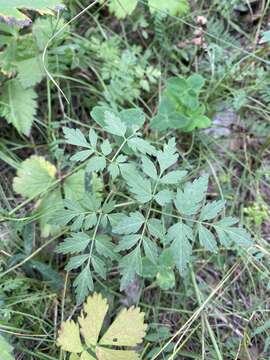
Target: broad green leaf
98, 114
168, 156
173, 177
150, 250
228, 234
133, 117
95, 309
106, 147
34, 176
18, 105
127, 242
149, 168
96, 163
122, 8
114, 124
138, 144
129, 224
99, 266
6, 349
189, 200
69, 337
211, 210
93, 138
75, 262
207, 239
30, 71
167, 117
81, 155
83, 284
44, 28
128, 329
181, 248
166, 279
173, 7
240, 236
140, 187
105, 246
11, 10
74, 187
109, 354
164, 197
130, 265
74, 244
156, 228
50, 206
75, 137
196, 82
266, 37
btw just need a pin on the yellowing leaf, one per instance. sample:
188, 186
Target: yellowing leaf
128, 329
10, 10
34, 176
86, 356
74, 357
96, 308
108, 354
69, 337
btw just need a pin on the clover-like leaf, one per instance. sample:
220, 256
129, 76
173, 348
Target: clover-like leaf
34, 176
128, 329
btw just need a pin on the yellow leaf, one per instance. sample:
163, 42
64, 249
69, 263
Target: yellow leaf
69, 337
34, 176
74, 357
96, 309
108, 354
86, 356
128, 329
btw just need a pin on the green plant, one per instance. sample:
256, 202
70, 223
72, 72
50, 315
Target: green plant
21, 64
6, 349
159, 208
12, 12
180, 107
122, 8
127, 330
126, 72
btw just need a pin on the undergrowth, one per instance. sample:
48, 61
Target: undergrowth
134, 192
